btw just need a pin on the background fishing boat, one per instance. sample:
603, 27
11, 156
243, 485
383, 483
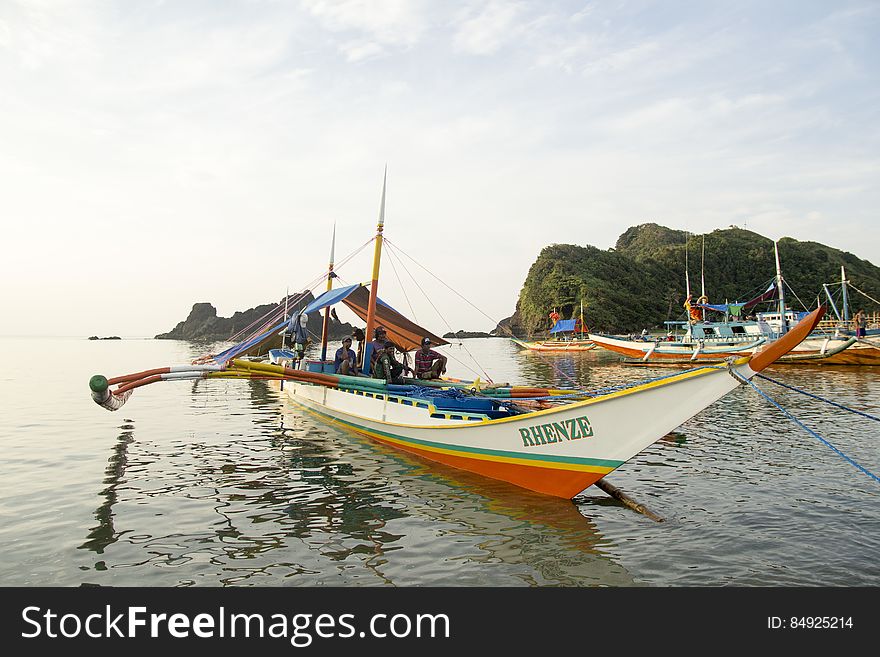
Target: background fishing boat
713, 341
568, 335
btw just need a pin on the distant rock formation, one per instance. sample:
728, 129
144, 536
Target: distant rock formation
203, 324
507, 327
468, 334
109, 337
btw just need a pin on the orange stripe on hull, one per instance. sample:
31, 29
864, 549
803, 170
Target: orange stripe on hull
550, 481
637, 353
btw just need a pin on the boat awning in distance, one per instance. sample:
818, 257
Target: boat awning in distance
736, 309
564, 326
401, 331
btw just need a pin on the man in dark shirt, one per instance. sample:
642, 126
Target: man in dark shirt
429, 364
346, 359
387, 367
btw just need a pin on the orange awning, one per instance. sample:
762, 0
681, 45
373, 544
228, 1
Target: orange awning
403, 332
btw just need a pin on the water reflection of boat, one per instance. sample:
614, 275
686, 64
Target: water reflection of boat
306, 492
508, 524
104, 533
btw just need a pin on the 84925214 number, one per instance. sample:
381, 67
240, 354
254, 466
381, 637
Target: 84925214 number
820, 622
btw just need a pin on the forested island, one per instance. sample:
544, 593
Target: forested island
641, 281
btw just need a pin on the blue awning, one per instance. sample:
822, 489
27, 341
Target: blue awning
330, 297
564, 326
334, 296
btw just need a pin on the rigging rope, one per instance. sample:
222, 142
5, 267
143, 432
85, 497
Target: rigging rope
275, 314
396, 248
546, 357
827, 401
791, 289
439, 314
400, 282
865, 294
815, 435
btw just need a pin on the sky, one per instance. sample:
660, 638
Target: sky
158, 154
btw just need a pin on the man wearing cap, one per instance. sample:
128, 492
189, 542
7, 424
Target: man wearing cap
429, 364
387, 366
378, 345
346, 359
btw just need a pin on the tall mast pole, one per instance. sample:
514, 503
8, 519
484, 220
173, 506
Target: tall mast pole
687, 278
377, 257
582, 318
845, 301
703, 276
325, 332
783, 325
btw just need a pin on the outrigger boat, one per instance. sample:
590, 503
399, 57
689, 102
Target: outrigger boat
553, 441
713, 342
569, 336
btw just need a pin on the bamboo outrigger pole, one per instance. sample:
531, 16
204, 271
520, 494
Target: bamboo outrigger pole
326, 329
374, 285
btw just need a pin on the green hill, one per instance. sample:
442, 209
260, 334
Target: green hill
641, 283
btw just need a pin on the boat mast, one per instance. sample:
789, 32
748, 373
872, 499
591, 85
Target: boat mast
845, 302
582, 318
703, 276
377, 257
325, 331
687, 278
783, 325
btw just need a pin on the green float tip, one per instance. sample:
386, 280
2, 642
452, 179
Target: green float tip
98, 383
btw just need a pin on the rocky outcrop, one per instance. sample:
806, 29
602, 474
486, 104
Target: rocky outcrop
203, 324
468, 334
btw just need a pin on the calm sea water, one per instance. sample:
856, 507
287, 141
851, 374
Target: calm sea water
221, 483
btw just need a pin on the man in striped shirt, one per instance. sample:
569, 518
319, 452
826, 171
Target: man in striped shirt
429, 364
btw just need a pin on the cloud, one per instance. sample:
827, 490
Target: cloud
484, 30
386, 22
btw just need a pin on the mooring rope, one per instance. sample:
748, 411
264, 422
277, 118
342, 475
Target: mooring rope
827, 401
815, 435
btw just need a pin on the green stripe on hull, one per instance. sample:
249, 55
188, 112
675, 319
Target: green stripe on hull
548, 458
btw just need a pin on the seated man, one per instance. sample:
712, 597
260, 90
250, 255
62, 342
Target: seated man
387, 366
346, 359
378, 345
429, 364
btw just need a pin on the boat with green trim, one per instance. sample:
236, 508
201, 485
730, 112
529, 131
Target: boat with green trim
553, 441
